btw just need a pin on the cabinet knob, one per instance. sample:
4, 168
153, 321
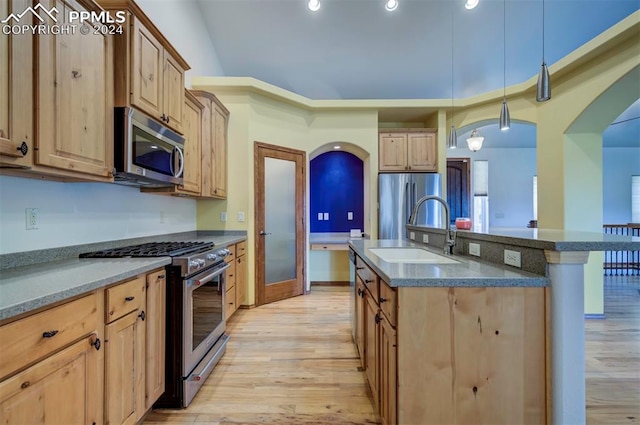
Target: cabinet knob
359, 291
96, 344
378, 319
49, 334
368, 280
142, 315
383, 300
359, 268
163, 117
129, 298
23, 148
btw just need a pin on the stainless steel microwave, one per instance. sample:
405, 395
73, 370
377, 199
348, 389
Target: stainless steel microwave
146, 152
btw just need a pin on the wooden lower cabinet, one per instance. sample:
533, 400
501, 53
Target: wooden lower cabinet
65, 388
241, 280
457, 355
155, 337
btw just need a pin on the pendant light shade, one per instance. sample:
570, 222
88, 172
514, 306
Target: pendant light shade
505, 119
475, 141
543, 92
452, 141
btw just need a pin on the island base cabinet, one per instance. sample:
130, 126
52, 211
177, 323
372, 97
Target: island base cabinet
65, 388
471, 355
388, 371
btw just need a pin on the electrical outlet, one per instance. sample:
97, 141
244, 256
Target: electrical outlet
326, 216
512, 258
350, 215
425, 238
240, 216
319, 216
474, 249
412, 236
223, 216
31, 218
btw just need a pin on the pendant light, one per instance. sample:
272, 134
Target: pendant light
314, 5
475, 140
452, 141
505, 119
543, 92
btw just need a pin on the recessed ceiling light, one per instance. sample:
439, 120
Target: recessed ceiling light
391, 5
470, 4
336, 147
314, 5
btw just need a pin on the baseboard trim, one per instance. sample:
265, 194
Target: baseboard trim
330, 283
247, 307
595, 316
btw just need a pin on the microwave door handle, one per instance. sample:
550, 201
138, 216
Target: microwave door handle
179, 173
171, 161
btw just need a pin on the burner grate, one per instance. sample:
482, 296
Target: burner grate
152, 249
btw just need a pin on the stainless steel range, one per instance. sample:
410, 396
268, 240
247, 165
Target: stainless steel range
196, 283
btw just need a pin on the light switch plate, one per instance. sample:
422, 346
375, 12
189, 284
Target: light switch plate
512, 258
326, 216
474, 249
223, 216
412, 236
349, 215
425, 238
240, 216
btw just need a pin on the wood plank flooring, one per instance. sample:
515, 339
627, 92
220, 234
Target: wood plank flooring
293, 362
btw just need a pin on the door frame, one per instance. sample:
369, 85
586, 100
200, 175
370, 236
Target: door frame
467, 161
279, 152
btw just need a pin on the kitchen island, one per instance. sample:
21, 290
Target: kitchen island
546, 353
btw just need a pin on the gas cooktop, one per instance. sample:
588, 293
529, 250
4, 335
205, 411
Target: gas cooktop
153, 249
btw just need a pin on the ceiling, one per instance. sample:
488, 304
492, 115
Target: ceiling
355, 49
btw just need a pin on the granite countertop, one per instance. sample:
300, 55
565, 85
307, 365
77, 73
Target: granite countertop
551, 239
466, 273
61, 275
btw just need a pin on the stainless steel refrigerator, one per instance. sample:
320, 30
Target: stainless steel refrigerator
397, 195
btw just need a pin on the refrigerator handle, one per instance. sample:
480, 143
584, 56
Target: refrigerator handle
407, 201
414, 195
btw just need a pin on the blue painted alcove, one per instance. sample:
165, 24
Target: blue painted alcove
337, 188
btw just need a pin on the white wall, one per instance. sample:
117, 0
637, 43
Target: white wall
619, 164
78, 213
182, 23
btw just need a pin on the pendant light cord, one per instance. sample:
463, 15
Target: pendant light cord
542, 31
452, 76
504, 49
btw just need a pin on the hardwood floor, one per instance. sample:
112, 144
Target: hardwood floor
613, 355
289, 362
294, 362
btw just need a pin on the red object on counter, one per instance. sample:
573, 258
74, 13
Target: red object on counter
463, 223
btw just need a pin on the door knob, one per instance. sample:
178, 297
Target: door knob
263, 233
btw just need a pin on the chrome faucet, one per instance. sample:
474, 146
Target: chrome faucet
450, 237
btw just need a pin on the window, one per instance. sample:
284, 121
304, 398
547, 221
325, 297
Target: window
481, 196
635, 199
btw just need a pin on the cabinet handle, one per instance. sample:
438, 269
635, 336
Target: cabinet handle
161, 277
359, 268
383, 300
359, 291
362, 293
368, 280
23, 148
168, 119
230, 275
142, 315
96, 344
378, 319
163, 117
129, 298
49, 334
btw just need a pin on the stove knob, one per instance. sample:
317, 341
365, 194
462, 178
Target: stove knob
212, 257
194, 264
201, 262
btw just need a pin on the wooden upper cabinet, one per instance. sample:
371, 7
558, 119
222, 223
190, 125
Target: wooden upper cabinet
408, 150
215, 118
149, 70
75, 98
192, 178
16, 89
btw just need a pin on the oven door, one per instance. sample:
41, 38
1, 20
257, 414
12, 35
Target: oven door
204, 318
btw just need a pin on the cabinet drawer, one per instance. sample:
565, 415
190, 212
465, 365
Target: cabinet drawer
369, 278
388, 303
230, 302
231, 276
24, 341
124, 298
241, 248
232, 254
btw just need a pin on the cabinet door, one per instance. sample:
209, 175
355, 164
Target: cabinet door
388, 372
360, 320
192, 179
220, 153
155, 336
371, 345
422, 152
173, 93
208, 159
393, 152
124, 369
241, 280
64, 388
147, 78
75, 98
16, 88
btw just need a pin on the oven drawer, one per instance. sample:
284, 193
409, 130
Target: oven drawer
26, 340
230, 300
125, 298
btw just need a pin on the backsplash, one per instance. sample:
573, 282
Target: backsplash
82, 213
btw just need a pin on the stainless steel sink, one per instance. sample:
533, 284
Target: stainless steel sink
410, 255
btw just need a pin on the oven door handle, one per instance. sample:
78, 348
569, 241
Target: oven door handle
208, 278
